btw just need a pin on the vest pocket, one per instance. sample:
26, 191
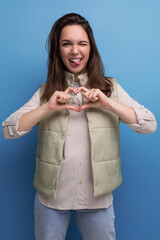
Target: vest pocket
46, 177
104, 144
50, 146
107, 176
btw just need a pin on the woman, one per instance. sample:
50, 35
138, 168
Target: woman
78, 111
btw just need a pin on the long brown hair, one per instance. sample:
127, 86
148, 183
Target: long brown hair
56, 69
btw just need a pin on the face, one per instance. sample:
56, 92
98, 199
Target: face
74, 48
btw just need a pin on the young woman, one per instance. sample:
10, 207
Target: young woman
78, 111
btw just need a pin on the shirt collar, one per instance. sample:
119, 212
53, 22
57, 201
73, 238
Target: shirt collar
83, 78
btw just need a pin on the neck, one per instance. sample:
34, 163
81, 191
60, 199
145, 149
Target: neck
76, 78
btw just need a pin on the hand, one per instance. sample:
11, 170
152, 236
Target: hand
96, 98
59, 100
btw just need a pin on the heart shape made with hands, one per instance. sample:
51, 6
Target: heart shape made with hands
71, 89
91, 96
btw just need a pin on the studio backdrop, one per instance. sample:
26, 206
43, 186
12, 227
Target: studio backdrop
127, 34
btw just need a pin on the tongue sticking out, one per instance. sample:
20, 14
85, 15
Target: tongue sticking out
77, 62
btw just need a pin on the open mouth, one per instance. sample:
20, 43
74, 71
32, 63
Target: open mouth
75, 61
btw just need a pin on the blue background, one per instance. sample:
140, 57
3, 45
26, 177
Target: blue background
128, 37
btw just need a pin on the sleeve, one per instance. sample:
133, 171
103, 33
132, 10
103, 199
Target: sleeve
10, 125
146, 120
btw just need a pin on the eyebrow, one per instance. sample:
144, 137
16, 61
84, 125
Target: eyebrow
66, 40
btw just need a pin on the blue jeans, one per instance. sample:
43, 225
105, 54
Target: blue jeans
93, 224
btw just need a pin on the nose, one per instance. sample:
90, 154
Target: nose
74, 50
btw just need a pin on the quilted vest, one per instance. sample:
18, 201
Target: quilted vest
105, 147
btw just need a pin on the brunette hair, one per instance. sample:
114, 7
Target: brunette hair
56, 69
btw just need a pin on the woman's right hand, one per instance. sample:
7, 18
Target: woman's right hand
59, 100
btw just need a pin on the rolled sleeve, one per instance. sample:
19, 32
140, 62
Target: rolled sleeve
146, 122
10, 125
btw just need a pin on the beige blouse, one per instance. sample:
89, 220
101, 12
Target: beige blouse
75, 188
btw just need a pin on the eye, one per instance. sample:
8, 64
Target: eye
66, 44
83, 44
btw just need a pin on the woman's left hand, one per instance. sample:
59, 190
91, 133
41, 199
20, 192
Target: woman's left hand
96, 98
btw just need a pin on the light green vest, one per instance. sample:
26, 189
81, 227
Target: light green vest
105, 147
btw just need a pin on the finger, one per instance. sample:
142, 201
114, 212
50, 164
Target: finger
63, 97
87, 105
93, 96
67, 97
88, 95
57, 94
82, 89
62, 101
70, 89
70, 107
